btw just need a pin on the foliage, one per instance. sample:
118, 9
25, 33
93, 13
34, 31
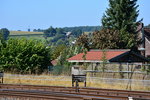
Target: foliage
65, 54
56, 51
5, 33
49, 32
122, 15
104, 59
57, 37
24, 56
60, 31
38, 30
77, 32
57, 70
83, 28
105, 39
83, 41
1, 39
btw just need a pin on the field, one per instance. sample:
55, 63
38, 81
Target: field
24, 33
66, 81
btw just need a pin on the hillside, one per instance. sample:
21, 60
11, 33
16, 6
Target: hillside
24, 33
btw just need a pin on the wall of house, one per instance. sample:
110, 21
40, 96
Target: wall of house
147, 47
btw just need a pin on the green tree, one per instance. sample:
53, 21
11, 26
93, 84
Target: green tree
122, 16
1, 38
50, 32
60, 31
4, 32
77, 32
56, 51
65, 54
24, 56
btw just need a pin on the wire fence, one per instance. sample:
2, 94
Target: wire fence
69, 78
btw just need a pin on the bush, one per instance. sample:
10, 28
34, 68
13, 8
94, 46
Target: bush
24, 56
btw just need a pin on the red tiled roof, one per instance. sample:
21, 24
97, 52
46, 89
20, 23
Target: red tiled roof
96, 55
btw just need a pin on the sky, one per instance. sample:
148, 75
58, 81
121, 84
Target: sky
34, 14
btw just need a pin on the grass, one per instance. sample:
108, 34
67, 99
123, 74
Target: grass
66, 81
23, 32
26, 34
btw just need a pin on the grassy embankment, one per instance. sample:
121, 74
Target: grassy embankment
66, 81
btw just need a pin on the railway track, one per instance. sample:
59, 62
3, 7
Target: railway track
67, 93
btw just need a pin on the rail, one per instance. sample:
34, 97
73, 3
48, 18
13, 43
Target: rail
88, 93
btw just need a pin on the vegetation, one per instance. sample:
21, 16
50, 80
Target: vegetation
4, 33
64, 55
83, 28
83, 41
118, 31
105, 39
56, 51
24, 56
66, 81
24, 33
122, 16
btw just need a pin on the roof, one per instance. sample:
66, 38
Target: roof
130, 57
54, 62
97, 55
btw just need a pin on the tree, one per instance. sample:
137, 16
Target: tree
77, 33
122, 16
83, 40
50, 32
105, 39
4, 33
60, 31
56, 51
24, 56
65, 54
1, 38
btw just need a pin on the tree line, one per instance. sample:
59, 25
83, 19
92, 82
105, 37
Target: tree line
70, 29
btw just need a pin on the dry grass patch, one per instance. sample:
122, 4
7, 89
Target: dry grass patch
67, 81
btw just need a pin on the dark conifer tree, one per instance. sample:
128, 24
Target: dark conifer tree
122, 16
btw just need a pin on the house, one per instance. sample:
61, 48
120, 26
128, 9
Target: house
147, 41
97, 56
144, 35
116, 55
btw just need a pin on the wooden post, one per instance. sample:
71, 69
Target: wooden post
72, 80
2, 80
85, 81
128, 69
77, 86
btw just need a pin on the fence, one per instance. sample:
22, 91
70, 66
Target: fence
115, 83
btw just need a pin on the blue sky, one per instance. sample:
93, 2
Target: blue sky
22, 14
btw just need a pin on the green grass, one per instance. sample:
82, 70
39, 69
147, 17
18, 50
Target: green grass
26, 34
